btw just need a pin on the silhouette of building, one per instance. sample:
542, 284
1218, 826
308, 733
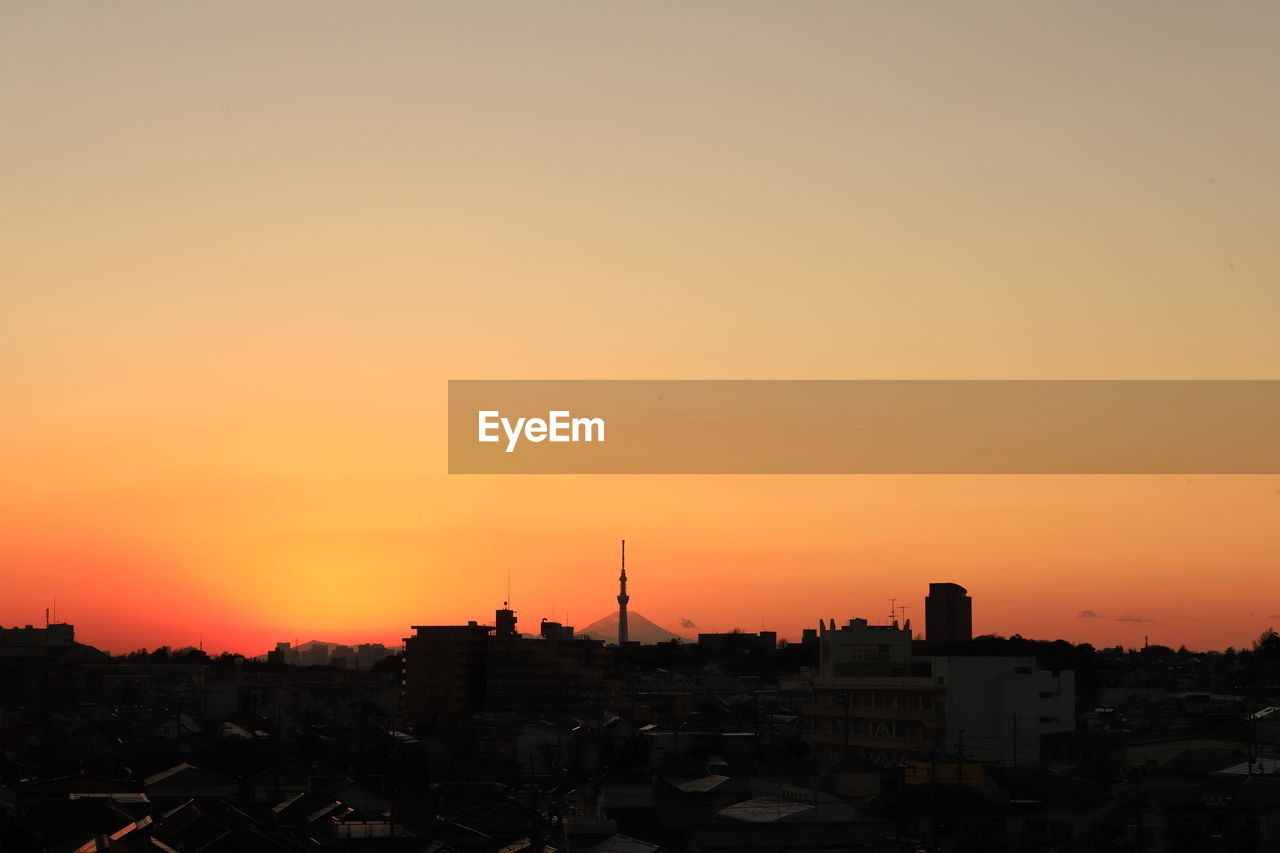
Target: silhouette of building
552, 673
464, 669
368, 654
876, 699
739, 641
46, 666
444, 668
869, 698
56, 634
342, 656
862, 649
362, 656
948, 615
549, 630
505, 623
623, 598
281, 654
313, 654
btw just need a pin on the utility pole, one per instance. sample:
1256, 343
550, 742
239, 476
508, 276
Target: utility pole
844, 700
1253, 740
755, 696
1142, 830
1013, 784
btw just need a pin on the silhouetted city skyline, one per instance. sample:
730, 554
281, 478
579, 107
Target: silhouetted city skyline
923, 354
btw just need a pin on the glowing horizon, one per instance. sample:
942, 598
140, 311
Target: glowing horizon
245, 247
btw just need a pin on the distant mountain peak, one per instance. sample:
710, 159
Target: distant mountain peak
639, 629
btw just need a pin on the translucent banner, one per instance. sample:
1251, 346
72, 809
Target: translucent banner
864, 427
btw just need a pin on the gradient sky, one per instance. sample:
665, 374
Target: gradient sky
244, 245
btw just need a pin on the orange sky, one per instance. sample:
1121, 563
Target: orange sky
242, 249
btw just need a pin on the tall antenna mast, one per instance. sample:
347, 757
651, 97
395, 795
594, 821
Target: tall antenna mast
623, 635
893, 609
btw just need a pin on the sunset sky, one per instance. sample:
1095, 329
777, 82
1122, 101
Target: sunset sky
243, 247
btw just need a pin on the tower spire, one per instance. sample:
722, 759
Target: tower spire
623, 598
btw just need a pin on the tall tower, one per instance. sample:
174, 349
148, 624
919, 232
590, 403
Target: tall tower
623, 598
948, 615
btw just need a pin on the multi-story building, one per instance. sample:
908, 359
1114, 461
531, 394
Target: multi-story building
871, 696
342, 656
46, 665
444, 668
554, 673
368, 654
948, 615
739, 641
461, 669
283, 653
875, 698
316, 654
56, 634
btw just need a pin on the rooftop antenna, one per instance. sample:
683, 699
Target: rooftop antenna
903, 610
893, 609
46, 617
